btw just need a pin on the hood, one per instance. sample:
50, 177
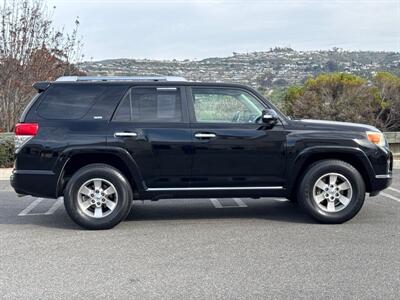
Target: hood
330, 125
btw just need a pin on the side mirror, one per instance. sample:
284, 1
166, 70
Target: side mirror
269, 117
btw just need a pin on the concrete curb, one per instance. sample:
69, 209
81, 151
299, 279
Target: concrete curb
5, 173
396, 164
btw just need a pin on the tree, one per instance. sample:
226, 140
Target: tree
291, 96
336, 96
31, 49
331, 66
387, 91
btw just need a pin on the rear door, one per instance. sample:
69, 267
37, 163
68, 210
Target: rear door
151, 123
232, 148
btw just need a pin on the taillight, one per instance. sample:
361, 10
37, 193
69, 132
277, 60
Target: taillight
26, 129
23, 133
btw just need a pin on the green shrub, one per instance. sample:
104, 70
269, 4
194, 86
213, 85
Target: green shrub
6, 150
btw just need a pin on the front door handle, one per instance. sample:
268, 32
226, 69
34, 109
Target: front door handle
125, 134
203, 135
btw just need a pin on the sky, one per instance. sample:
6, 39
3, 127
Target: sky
195, 29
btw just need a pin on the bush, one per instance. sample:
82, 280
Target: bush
347, 97
387, 93
334, 96
6, 150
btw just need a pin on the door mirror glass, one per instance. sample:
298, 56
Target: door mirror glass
269, 117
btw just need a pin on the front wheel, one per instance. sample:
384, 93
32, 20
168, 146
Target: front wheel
98, 196
332, 191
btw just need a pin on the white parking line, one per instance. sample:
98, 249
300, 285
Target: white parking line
50, 211
393, 189
239, 202
30, 207
390, 196
218, 204
54, 207
281, 199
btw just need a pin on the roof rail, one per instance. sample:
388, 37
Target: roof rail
119, 78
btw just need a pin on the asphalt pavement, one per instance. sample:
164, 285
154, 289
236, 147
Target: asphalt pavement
200, 249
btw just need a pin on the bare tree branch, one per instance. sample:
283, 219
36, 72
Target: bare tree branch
31, 49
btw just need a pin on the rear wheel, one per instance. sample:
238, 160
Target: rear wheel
98, 196
332, 191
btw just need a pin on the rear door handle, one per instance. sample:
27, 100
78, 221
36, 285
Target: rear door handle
203, 135
125, 134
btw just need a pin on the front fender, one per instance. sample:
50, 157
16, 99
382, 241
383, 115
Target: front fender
307, 156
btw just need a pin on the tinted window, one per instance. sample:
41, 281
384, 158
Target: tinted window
225, 106
150, 105
69, 101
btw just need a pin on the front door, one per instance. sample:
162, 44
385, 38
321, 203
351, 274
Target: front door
151, 123
232, 148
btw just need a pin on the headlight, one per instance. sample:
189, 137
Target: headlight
377, 138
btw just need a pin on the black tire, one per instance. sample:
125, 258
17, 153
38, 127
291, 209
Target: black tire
110, 174
316, 171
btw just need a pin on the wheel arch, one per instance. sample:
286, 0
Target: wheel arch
353, 156
72, 159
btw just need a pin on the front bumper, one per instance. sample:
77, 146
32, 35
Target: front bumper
382, 162
380, 183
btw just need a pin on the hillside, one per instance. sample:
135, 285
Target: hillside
275, 68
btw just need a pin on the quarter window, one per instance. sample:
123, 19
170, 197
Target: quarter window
69, 101
150, 105
225, 106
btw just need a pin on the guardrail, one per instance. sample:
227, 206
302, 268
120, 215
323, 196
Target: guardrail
393, 139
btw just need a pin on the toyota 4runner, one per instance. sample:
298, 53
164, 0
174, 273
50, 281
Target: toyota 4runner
103, 142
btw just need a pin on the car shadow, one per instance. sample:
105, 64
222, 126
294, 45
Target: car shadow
262, 209
271, 210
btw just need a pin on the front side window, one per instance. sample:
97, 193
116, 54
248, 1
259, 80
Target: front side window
216, 105
150, 105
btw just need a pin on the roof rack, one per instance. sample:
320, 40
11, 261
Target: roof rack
119, 78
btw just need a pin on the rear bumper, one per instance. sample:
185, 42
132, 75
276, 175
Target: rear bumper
34, 183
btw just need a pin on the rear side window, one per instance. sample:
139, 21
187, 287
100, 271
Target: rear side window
150, 105
69, 101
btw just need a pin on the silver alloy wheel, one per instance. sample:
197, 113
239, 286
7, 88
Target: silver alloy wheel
332, 192
97, 198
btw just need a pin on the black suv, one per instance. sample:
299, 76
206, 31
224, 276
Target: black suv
102, 142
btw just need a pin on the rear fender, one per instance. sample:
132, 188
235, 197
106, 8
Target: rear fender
121, 153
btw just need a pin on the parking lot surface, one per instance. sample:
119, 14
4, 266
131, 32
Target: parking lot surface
200, 249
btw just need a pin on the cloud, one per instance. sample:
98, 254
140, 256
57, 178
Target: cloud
198, 29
